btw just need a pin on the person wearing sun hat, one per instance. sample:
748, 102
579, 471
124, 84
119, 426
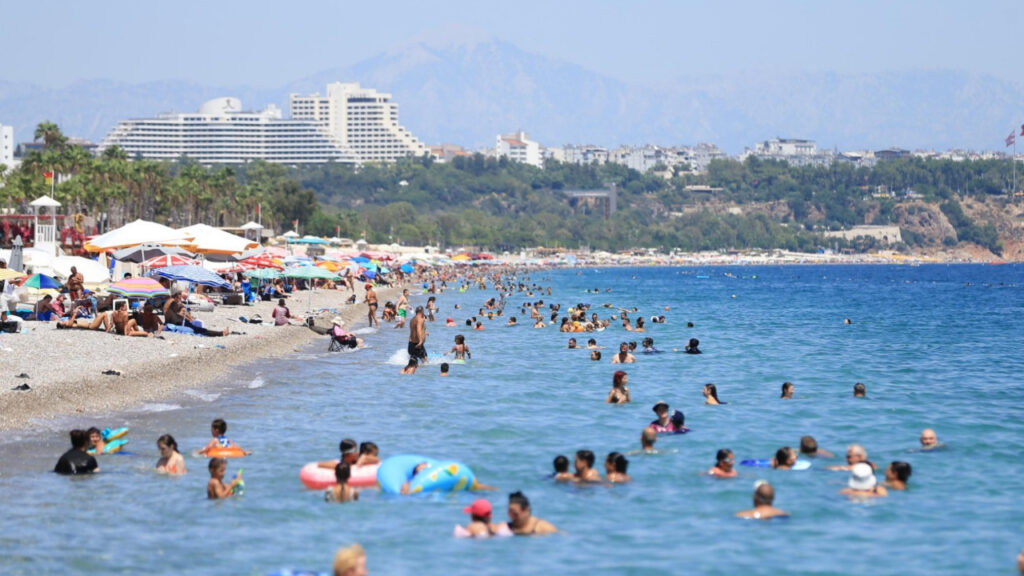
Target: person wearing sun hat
863, 483
480, 525
341, 336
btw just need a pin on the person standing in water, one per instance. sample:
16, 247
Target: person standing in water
418, 336
371, 304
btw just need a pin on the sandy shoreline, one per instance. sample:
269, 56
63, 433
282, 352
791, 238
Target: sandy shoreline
65, 367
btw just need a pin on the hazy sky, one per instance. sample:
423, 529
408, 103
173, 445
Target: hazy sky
265, 44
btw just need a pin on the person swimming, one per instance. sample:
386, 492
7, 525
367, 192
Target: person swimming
862, 483
615, 466
711, 395
860, 390
787, 390
809, 448
619, 393
929, 440
897, 474
764, 497
784, 459
724, 461
692, 347
585, 467
562, 473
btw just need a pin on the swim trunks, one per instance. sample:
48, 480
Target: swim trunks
417, 351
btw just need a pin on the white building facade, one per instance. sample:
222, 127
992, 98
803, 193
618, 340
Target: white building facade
222, 133
360, 119
518, 147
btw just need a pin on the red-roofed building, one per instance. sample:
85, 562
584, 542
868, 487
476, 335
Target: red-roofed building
518, 147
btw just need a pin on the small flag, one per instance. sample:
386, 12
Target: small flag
259, 208
1010, 140
49, 177
1022, 129
295, 224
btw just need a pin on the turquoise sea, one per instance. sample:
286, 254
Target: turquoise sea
937, 346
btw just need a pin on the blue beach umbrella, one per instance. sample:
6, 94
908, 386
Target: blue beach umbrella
41, 282
407, 269
193, 274
360, 259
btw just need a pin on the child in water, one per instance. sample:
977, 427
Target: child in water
368, 454
216, 489
723, 467
341, 492
460, 349
171, 461
562, 473
219, 428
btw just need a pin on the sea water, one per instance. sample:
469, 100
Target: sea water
936, 346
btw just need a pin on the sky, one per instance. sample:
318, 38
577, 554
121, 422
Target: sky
266, 44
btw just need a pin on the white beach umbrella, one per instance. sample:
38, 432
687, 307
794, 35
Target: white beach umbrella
133, 234
209, 240
92, 272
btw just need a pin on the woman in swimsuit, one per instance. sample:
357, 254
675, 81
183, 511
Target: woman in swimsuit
460, 349
171, 461
341, 492
619, 393
723, 467
521, 520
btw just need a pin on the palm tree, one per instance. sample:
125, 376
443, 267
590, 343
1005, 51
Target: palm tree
50, 134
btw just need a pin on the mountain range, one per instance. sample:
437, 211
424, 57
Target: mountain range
468, 92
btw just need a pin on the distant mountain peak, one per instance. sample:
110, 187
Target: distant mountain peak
455, 36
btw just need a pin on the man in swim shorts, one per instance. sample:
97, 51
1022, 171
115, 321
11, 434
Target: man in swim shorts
521, 520
764, 496
418, 336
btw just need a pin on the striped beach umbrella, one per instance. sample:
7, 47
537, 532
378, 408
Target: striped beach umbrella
140, 287
169, 260
41, 282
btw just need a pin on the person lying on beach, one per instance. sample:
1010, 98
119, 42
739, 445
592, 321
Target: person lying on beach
76, 460
623, 356
521, 520
219, 428
562, 473
341, 492
723, 467
176, 313
897, 474
5, 326
809, 448
216, 489
615, 466
863, 484
585, 472
171, 461
100, 321
764, 496
461, 350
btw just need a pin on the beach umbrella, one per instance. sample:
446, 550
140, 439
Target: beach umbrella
41, 282
134, 234
138, 287
262, 261
193, 274
169, 260
360, 259
8, 274
310, 273
407, 269
264, 274
143, 252
209, 240
369, 274
92, 272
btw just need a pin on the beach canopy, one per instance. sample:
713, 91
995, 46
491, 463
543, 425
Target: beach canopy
166, 260
8, 274
92, 272
193, 274
250, 225
290, 234
309, 240
262, 261
407, 268
310, 273
41, 282
138, 287
263, 274
143, 252
209, 240
44, 201
134, 234
360, 259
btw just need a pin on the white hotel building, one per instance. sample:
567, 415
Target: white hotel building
221, 133
360, 119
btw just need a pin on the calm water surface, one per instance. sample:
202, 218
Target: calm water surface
937, 346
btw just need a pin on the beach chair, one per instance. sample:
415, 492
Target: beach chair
335, 345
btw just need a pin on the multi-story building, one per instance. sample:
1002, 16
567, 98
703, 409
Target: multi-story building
585, 154
7, 146
221, 133
360, 119
792, 150
518, 146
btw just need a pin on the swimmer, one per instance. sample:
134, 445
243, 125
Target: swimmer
96, 441
562, 473
764, 496
341, 492
350, 561
461, 350
847, 321
444, 369
784, 459
171, 461
647, 439
692, 347
572, 343
678, 420
585, 467
787, 390
595, 355
521, 520
860, 390
663, 423
216, 489
410, 368
539, 324
592, 345
723, 467
511, 321
619, 393
480, 521
855, 454
863, 484
623, 356
219, 428
615, 466
929, 440
349, 454
809, 448
711, 395
369, 454
897, 473
648, 345
419, 468
450, 323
